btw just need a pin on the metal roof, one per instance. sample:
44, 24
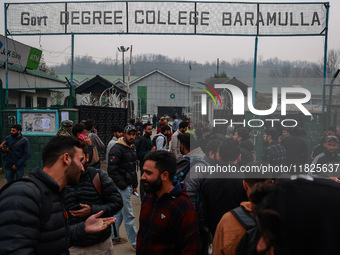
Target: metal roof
37, 73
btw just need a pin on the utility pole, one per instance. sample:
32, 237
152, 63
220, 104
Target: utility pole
122, 49
218, 66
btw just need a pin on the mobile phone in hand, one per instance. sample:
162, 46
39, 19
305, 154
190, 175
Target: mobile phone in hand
75, 207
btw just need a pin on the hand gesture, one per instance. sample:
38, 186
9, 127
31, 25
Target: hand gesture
94, 224
84, 212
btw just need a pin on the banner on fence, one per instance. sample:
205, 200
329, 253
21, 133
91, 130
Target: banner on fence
205, 18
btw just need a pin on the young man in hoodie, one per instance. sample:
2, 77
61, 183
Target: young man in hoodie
168, 222
122, 170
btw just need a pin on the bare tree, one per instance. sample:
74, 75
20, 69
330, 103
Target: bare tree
333, 62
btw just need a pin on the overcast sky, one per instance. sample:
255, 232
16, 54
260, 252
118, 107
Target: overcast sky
197, 48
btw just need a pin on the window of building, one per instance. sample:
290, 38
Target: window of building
28, 101
197, 98
42, 102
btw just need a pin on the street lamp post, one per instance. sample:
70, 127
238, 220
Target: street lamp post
122, 49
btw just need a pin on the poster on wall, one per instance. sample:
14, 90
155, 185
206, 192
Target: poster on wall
42, 122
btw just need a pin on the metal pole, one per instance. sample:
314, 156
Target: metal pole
123, 49
255, 57
128, 83
6, 56
254, 72
123, 69
72, 69
325, 61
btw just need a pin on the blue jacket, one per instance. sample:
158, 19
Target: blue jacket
19, 154
175, 125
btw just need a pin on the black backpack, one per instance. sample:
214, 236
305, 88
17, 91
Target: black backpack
154, 140
45, 212
248, 242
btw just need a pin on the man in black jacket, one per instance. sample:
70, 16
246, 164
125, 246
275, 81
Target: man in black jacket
145, 147
296, 147
242, 137
122, 170
220, 195
94, 192
33, 220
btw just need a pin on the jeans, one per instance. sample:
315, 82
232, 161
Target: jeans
126, 214
12, 175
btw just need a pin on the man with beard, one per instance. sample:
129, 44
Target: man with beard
33, 218
167, 222
145, 147
17, 148
160, 140
94, 192
274, 153
175, 144
122, 170
329, 157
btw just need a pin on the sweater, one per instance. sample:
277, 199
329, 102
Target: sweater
168, 225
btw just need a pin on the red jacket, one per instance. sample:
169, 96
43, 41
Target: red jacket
168, 225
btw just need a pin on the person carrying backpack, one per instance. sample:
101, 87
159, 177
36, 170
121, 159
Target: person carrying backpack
186, 165
236, 233
94, 192
161, 140
31, 210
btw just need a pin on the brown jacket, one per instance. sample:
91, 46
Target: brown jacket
229, 233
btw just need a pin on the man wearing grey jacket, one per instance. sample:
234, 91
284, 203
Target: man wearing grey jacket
175, 144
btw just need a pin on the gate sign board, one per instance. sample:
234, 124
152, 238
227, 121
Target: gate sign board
201, 18
20, 54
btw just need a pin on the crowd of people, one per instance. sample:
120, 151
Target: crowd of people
72, 206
